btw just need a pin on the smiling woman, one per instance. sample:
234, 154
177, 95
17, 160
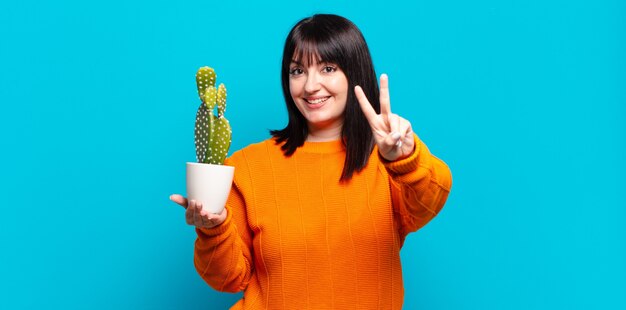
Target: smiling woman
317, 215
325, 40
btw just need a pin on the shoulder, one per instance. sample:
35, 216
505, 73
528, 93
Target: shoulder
254, 163
255, 152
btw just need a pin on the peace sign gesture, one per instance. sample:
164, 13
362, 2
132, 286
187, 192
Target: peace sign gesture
392, 133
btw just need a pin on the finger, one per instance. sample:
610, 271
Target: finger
394, 123
190, 213
406, 130
394, 126
224, 214
385, 105
205, 217
217, 219
210, 219
392, 139
197, 217
365, 104
179, 200
406, 136
399, 126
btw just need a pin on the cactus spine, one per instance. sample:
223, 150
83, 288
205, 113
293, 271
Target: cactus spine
212, 132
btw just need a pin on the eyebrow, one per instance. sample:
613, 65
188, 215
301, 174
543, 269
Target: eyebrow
319, 62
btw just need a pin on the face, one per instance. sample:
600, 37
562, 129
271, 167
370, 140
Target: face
320, 91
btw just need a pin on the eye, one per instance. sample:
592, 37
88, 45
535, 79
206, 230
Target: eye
329, 69
295, 71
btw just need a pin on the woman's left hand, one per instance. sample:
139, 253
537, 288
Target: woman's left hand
392, 133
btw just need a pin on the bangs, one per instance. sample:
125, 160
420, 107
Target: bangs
315, 50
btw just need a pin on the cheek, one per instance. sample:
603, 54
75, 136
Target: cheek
339, 85
295, 88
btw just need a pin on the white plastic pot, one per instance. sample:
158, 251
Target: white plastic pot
209, 184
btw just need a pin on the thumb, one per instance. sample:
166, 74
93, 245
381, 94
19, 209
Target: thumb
179, 200
392, 139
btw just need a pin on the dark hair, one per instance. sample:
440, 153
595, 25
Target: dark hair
334, 39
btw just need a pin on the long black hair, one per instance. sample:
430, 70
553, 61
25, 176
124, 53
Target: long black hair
334, 39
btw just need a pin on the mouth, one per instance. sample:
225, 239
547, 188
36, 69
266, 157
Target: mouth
316, 101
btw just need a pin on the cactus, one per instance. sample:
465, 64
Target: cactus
212, 132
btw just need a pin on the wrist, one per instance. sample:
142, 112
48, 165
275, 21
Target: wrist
406, 163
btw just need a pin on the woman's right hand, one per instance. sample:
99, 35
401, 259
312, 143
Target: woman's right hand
196, 216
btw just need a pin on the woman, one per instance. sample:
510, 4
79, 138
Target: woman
318, 213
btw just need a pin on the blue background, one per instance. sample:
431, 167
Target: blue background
525, 100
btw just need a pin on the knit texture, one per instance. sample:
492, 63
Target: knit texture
297, 238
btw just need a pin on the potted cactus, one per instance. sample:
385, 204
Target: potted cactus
209, 180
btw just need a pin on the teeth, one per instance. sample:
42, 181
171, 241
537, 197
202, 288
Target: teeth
316, 101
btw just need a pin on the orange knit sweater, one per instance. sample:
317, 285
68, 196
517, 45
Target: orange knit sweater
296, 238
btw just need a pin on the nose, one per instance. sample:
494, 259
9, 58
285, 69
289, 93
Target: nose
312, 84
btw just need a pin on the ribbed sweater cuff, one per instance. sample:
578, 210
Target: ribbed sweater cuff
217, 230
405, 165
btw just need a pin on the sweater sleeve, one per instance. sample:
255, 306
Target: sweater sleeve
420, 185
222, 254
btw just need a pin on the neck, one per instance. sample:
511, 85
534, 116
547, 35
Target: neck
324, 133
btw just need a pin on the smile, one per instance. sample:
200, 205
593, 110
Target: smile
317, 100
